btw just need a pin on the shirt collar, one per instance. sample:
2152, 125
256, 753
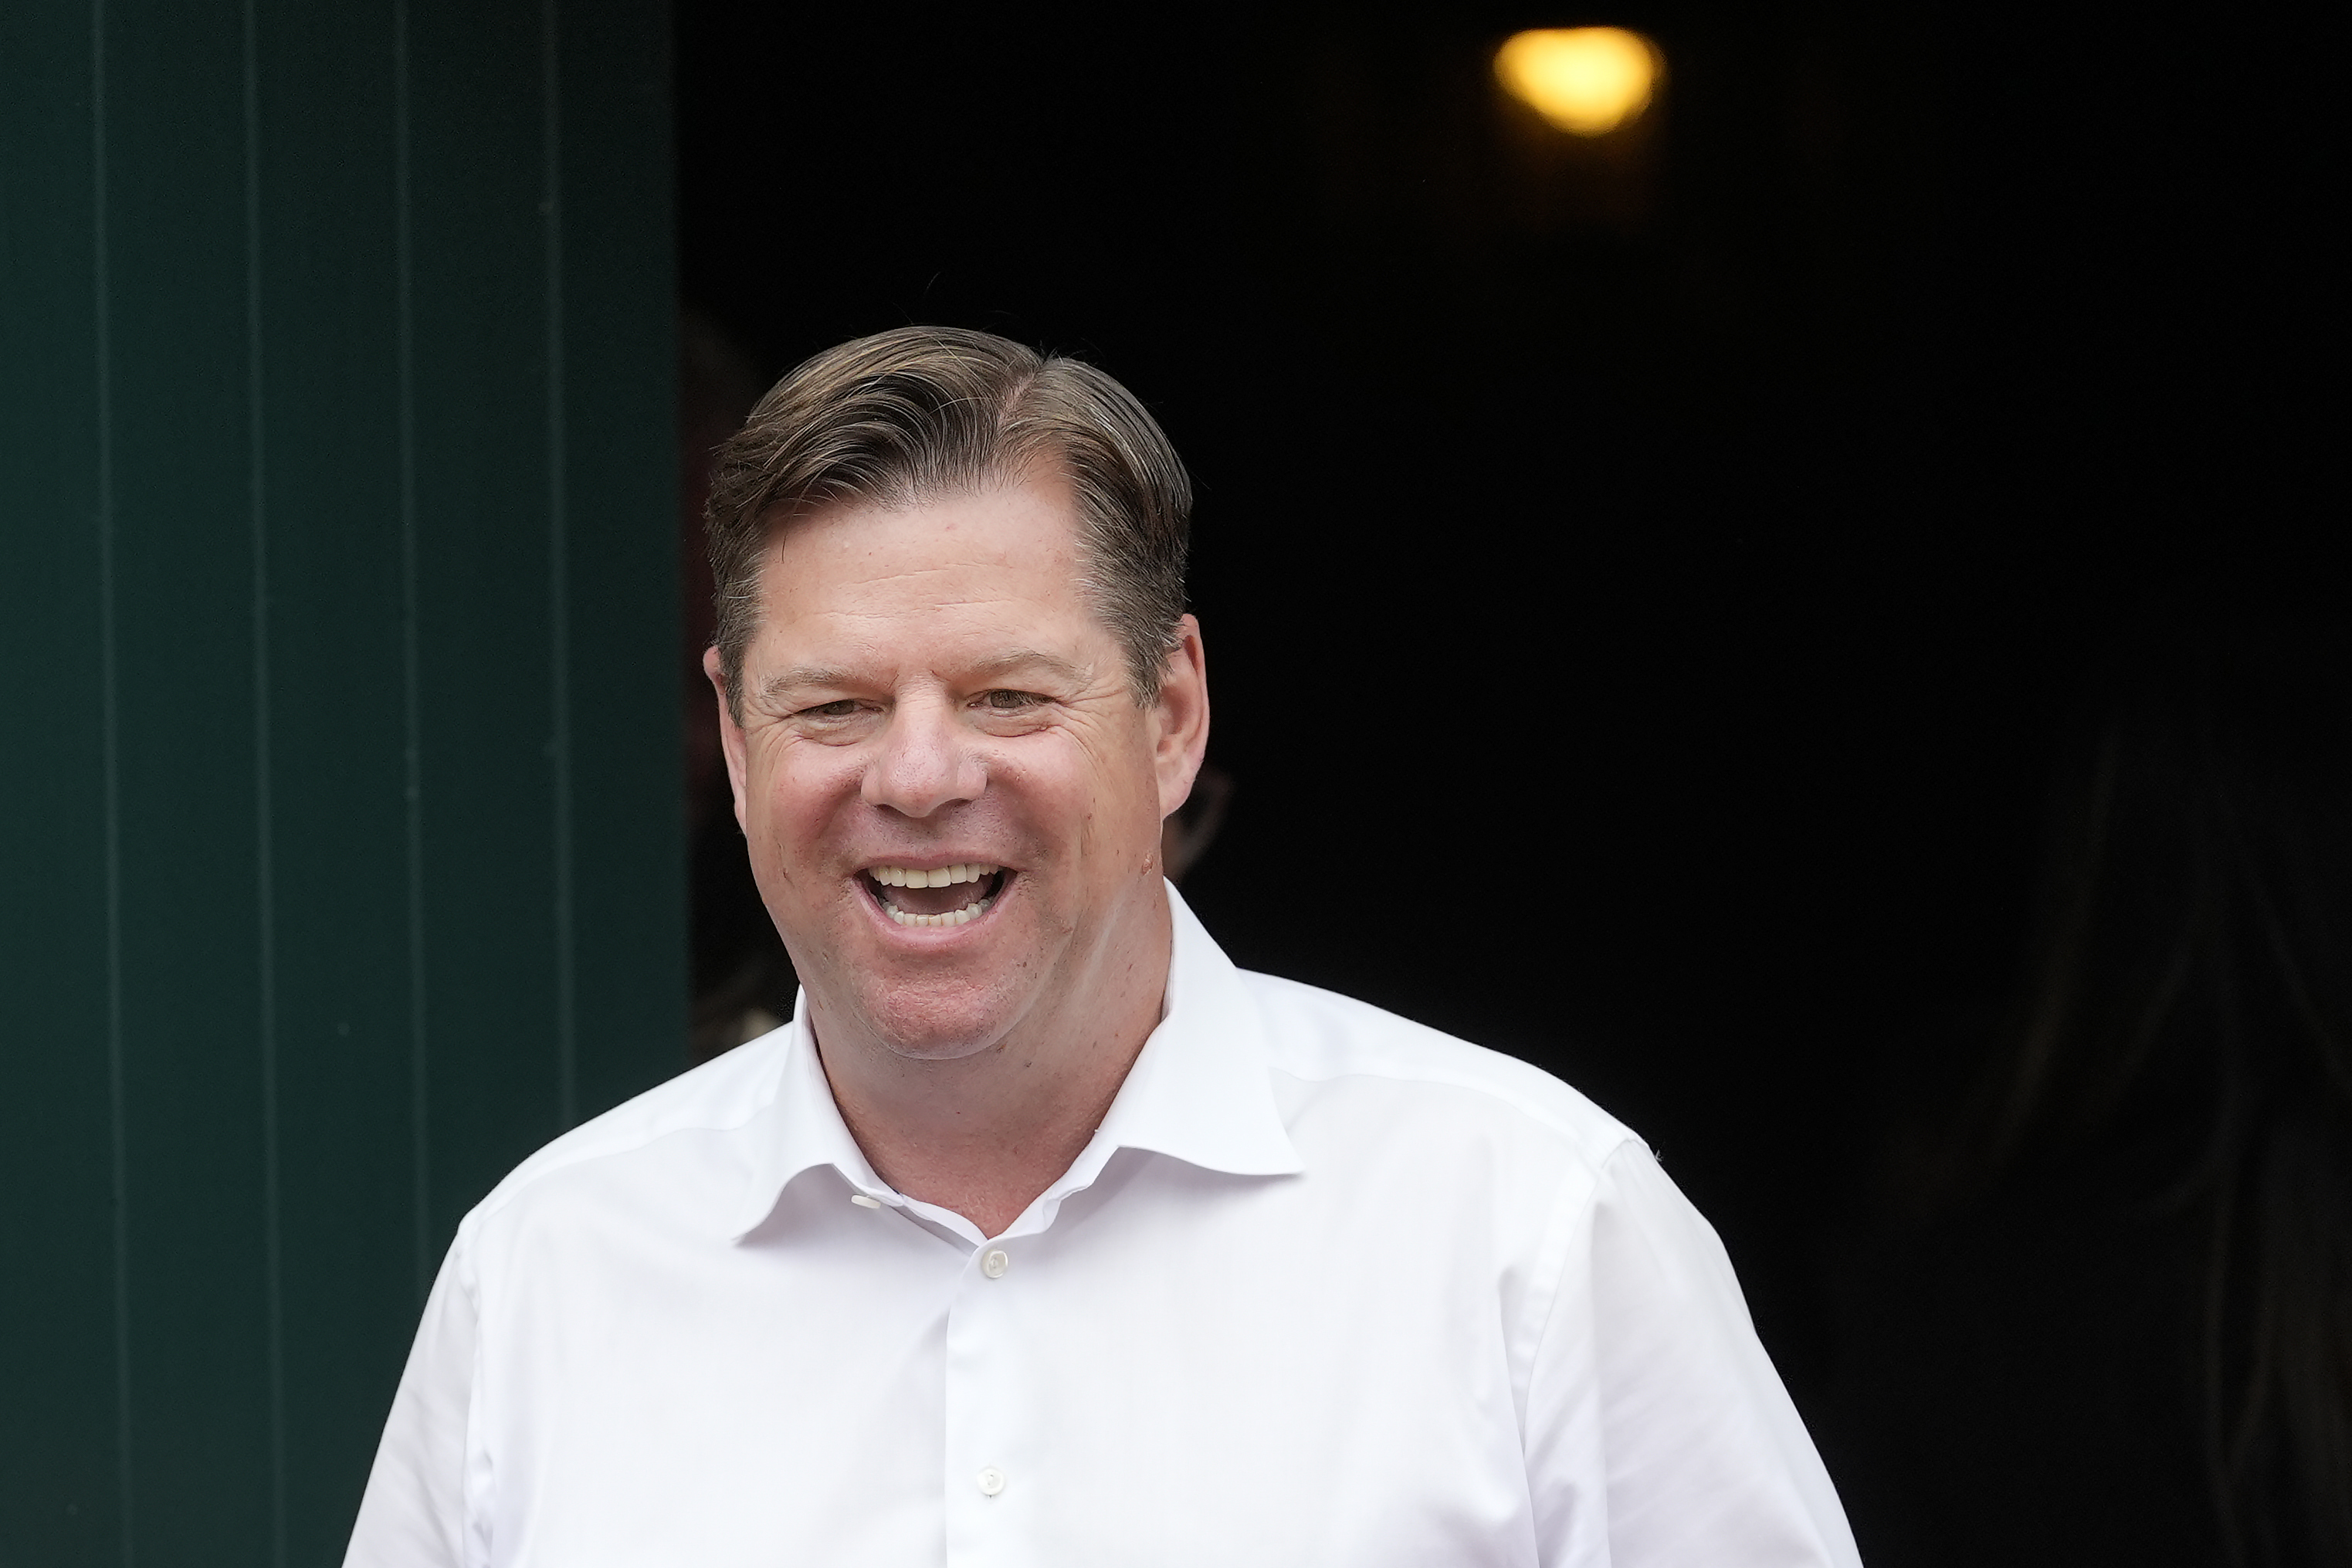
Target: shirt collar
1200, 1092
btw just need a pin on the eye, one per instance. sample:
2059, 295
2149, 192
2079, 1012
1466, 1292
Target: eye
1009, 701
840, 707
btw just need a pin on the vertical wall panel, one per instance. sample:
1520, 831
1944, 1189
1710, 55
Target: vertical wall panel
60, 1470
201, 1434
330, 378
625, 717
487, 732
373, 320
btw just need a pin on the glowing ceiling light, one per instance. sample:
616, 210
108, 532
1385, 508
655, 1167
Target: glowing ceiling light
1585, 80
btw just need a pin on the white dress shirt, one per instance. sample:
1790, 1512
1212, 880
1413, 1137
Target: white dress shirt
1326, 1288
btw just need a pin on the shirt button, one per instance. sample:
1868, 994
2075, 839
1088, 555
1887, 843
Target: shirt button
992, 1481
994, 1262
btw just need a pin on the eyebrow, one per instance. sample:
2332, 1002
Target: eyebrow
1013, 659
804, 677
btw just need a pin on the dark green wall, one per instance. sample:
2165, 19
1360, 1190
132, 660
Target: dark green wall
339, 802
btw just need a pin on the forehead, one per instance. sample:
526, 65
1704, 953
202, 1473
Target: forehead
952, 570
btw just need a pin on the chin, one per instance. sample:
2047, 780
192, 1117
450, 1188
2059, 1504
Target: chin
935, 1028
930, 1017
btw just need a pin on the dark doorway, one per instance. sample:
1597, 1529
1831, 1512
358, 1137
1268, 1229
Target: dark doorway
1647, 579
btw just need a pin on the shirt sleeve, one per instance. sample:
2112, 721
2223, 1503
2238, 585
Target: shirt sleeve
414, 1513
1657, 1431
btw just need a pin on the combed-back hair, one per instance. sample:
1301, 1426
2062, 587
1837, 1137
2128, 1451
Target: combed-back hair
906, 415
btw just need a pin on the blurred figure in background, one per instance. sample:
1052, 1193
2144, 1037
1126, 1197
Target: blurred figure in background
1189, 830
2119, 1327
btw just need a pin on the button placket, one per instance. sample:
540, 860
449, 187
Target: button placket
989, 1440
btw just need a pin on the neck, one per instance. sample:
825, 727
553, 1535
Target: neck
983, 1134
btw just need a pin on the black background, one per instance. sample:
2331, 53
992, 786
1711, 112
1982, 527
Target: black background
1644, 584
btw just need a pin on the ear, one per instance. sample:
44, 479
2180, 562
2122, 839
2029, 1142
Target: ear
1180, 719
730, 736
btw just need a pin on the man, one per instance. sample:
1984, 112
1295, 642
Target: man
1043, 1235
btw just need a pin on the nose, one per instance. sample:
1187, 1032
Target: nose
923, 760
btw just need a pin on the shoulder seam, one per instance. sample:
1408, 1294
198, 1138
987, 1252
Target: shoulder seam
531, 1170
1553, 1274
1501, 1095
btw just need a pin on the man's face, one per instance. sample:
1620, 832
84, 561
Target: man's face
928, 697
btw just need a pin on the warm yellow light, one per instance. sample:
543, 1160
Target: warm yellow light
1586, 80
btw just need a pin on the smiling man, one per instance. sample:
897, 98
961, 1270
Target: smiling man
1042, 1234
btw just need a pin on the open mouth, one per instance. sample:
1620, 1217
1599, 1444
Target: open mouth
943, 895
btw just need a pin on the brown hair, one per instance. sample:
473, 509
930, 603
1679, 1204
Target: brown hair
916, 411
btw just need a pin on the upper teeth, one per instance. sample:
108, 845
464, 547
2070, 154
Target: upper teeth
944, 876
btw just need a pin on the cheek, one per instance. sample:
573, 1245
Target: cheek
799, 792
1113, 801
